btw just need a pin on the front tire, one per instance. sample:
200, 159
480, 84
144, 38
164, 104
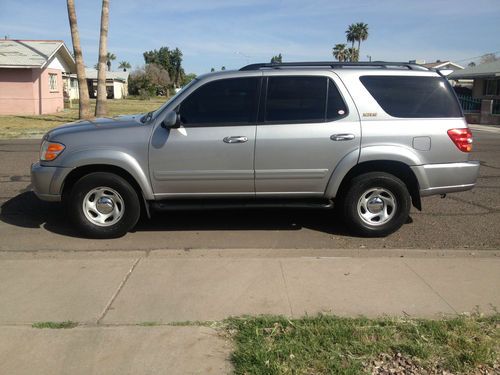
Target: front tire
103, 205
376, 204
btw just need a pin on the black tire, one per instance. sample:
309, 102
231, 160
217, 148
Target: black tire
110, 187
373, 190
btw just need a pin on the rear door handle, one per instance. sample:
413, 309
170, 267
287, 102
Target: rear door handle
342, 137
236, 139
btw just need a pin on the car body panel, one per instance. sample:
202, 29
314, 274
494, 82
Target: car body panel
197, 162
121, 142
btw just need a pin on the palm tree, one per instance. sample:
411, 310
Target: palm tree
361, 34
83, 91
339, 52
351, 34
352, 54
109, 58
104, 59
277, 59
124, 65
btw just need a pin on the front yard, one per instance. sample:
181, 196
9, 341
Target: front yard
27, 126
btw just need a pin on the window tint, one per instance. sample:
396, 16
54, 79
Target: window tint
336, 105
403, 96
222, 102
292, 99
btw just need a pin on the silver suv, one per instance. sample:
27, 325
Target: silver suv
369, 138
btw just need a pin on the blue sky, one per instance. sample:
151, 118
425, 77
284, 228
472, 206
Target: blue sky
212, 33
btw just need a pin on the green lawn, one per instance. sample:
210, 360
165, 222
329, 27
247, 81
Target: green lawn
36, 125
333, 345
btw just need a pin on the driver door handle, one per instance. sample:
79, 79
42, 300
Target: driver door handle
236, 139
342, 137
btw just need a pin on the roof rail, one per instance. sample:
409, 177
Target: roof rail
335, 65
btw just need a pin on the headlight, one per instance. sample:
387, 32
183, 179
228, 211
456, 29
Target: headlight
50, 150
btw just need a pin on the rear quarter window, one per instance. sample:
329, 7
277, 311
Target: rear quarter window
413, 97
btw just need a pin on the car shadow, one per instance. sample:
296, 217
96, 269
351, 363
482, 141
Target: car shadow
27, 211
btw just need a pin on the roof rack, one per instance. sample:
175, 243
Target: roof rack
335, 65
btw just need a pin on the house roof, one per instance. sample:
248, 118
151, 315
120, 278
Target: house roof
478, 71
440, 64
117, 76
32, 53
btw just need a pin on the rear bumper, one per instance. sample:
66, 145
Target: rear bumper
47, 182
446, 178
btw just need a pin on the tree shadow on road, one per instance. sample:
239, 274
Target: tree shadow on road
27, 211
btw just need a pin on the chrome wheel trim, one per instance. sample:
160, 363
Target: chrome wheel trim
103, 206
377, 206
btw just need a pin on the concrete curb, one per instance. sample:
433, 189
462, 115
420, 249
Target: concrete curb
252, 253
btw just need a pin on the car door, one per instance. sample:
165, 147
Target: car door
212, 152
308, 123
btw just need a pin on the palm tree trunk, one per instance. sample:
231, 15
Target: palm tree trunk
83, 91
100, 108
359, 48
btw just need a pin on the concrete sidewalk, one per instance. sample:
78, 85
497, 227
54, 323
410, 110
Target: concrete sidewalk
111, 293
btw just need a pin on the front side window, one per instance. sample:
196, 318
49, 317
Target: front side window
222, 102
52, 82
413, 97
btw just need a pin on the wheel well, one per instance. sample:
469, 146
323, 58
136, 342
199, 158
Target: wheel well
398, 169
79, 172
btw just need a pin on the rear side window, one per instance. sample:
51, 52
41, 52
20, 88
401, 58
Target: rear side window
222, 102
292, 99
403, 96
336, 107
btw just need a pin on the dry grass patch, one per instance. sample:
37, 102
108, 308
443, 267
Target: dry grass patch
26, 126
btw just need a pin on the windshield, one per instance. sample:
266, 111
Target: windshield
184, 88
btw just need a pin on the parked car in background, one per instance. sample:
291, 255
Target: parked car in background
369, 139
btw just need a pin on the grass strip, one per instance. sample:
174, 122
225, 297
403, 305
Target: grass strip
334, 345
55, 325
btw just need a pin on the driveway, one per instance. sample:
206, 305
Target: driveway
468, 220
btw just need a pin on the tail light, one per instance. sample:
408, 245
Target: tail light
462, 138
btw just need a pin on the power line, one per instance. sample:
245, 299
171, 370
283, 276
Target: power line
476, 57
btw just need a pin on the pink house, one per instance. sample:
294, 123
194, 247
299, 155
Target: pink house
31, 76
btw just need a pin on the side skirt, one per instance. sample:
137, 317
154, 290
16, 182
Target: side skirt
224, 204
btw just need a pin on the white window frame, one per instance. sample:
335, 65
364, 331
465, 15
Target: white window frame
53, 82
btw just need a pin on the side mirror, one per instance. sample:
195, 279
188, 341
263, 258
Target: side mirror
171, 120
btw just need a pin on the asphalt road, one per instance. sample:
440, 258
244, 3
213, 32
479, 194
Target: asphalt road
468, 220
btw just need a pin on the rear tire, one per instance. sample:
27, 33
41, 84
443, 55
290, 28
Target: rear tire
103, 205
376, 204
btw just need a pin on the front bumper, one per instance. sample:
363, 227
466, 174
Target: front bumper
47, 182
446, 178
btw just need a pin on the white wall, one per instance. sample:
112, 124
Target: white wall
57, 62
118, 90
